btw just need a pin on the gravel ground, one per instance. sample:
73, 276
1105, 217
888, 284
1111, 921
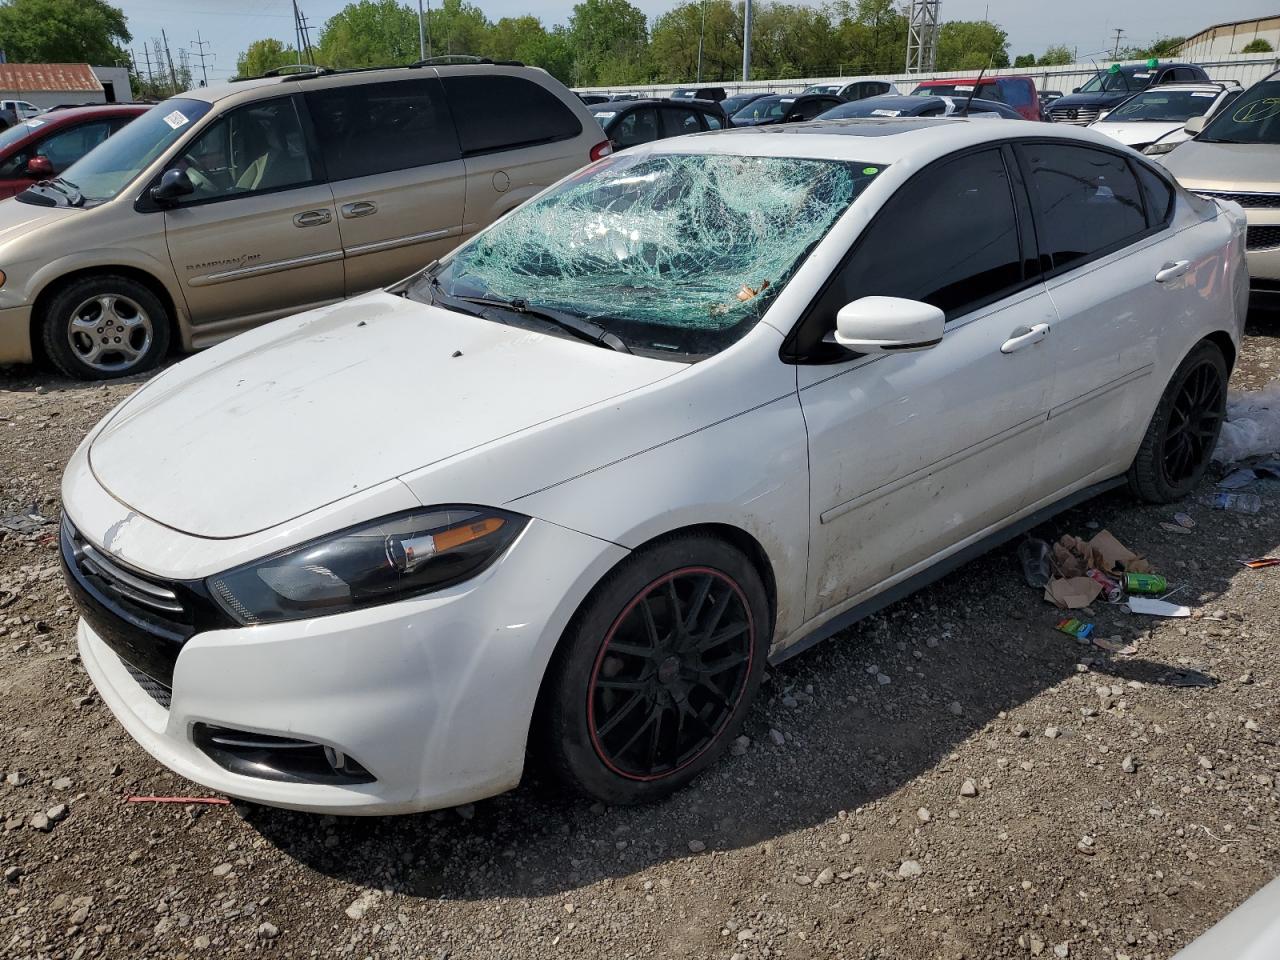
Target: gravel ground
951, 778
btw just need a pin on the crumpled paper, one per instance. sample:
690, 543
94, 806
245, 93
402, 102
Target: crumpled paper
1070, 589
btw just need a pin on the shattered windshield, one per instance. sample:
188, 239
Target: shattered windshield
673, 254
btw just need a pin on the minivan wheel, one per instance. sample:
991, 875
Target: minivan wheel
656, 674
1179, 442
105, 326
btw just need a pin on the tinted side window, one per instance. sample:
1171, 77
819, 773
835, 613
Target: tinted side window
67, 146
637, 126
378, 127
677, 121
948, 237
1158, 194
1017, 93
502, 112
713, 122
1088, 201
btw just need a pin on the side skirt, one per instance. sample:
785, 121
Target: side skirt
940, 569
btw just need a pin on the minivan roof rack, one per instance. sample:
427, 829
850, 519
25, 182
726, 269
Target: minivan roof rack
461, 59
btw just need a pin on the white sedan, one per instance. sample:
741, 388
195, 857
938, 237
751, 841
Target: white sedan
687, 412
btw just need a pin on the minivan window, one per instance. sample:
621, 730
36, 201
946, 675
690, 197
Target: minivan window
104, 172
254, 148
1088, 201
496, 112
675, 254
372, 128
948, 238
1253, 118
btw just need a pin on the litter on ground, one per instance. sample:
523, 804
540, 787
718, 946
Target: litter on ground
1252, 427
1157, 608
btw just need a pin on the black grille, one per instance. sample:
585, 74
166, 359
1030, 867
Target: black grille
1262, 238
144, 619
156, 690
1254, 201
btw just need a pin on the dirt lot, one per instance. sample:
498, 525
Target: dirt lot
1119, 805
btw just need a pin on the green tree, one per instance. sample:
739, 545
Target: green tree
1025, 60
456, 28
527, 40
972, 45
369, 33
870, 36
1056, 56
674, 43
1161, 49
1256, 46
264, 55
63, 31
610, 42
793, 40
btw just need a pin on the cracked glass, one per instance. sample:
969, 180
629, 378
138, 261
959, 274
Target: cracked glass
670, 253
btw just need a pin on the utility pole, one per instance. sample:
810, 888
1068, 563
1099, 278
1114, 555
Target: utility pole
306, 39
922, 36
173, 74
422, 33
1116, 52
297, 30
701, 34
746, 40
200, 43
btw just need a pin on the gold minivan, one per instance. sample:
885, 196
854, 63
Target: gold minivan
231, 206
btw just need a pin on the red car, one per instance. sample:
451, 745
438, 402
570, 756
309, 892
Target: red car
1018, 92
44, 146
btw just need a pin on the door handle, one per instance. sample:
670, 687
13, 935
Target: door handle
1172, 270
361, 208
312, 218
1025, 337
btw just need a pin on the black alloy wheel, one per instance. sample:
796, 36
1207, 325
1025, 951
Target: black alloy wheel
670, 671
1179, 442
656, 672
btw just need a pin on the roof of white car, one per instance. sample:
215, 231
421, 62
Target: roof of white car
873, 140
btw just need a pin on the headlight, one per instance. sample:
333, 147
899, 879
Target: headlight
391, 559
1159, 149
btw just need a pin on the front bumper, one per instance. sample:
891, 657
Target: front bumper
15, 335
432, 696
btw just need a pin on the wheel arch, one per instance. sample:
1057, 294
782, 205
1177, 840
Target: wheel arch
40, 304
1222, 340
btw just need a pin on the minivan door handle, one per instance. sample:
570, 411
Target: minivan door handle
312, 218
1172, 270
1025, 337
361, 208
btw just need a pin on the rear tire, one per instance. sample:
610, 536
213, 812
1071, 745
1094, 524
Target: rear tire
657, 672
1179, 441
105, 326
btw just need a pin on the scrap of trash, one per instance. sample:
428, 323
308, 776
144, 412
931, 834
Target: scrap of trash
1074, 573
29, 521
1252, 427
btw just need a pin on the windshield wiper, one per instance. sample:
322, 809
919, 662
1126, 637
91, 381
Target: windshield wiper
580, 327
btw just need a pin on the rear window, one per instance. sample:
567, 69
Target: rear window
379, 127
1016, 93
504, 112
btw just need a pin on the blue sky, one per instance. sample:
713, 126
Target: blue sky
1089, 25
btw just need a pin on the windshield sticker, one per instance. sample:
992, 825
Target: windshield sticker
1210, 95
35, 123
1141, 76
1258, 110
963, 88
881, 112
684, 242
606, 114
175, 119
870, 171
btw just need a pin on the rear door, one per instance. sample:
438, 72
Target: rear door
259, 237
636, 126
392, 158
1103, 226
677, 121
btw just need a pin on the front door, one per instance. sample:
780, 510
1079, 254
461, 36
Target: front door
912, 453
392, 157
259, 237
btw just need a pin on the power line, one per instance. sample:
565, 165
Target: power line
200, 43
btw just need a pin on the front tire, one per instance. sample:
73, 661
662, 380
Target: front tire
105, 326
656, 674
1179, 441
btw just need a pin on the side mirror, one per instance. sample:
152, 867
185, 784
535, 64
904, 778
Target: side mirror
888, 325
173, 185
1075, 89
39, 166
1194, 125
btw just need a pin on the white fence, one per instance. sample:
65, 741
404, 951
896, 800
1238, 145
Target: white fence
1246, 68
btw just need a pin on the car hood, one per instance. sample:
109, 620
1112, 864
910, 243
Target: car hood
1136, 132
314, 408
17, 219
1245, 167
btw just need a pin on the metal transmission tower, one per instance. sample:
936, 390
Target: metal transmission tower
922, 36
